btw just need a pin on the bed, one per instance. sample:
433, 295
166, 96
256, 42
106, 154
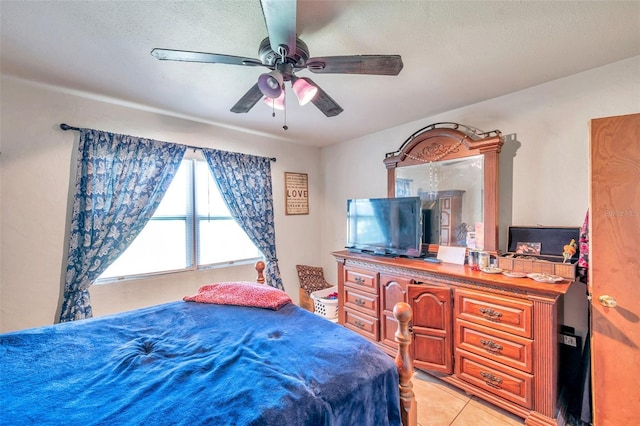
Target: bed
187, 362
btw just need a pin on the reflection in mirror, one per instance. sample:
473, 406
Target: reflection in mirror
452, 195
438, 154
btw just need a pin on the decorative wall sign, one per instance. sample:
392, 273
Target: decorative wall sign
296, 186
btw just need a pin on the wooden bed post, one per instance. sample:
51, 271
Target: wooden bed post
409, 410
260, 269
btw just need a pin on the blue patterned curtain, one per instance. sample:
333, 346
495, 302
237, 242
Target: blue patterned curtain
403, 187
120, 181
245, 184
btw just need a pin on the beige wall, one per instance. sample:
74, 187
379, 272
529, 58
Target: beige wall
543, 178
543, 164
37, 174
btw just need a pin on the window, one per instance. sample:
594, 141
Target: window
191, 229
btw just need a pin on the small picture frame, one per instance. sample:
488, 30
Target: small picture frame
296, 186
528, 248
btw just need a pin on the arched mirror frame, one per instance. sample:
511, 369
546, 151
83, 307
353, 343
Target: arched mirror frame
447, 141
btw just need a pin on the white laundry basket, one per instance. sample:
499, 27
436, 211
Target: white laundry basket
327, 308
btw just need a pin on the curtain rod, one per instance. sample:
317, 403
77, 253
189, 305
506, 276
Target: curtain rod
66, 127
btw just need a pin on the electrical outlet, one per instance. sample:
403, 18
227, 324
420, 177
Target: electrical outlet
569, 340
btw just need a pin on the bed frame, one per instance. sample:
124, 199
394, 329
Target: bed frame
403, 314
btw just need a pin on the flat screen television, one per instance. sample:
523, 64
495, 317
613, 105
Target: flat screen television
385, 226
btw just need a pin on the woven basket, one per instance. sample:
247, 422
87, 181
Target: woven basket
564, 270
305, 301
311, 279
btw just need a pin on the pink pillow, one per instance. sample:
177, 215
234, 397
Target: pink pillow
241, 294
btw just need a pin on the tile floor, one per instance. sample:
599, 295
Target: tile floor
440, 404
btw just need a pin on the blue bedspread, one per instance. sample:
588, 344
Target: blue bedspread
191, 363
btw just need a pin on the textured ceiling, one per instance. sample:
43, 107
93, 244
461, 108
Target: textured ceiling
455, 53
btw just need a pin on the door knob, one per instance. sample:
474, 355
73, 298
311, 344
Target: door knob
607, 301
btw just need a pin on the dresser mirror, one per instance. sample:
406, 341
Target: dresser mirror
454, 171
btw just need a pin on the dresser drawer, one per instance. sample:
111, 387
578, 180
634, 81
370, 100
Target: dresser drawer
361, 301
361, 279
505, 348
508, 383
363, 324
494, 311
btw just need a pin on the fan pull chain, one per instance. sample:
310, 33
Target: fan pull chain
285, 127
283, 53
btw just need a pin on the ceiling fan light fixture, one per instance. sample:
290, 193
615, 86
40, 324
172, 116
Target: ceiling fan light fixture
276, 103
304, 90
270, 84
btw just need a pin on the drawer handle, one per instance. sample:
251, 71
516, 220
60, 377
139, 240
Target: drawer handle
358, 324
490, 314
491, 380
491, 346
359, 280
359, 302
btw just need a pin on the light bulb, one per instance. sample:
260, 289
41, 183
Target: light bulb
304, 90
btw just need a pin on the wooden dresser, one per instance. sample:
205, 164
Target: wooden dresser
492, 336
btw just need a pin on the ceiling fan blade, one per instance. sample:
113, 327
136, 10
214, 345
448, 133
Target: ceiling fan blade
280, 18
213, 58
357, 64
323, 101
248, 100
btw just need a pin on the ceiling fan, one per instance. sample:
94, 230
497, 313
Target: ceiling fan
285, 54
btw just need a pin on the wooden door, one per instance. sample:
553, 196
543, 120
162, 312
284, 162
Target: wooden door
432, 327
614, 269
